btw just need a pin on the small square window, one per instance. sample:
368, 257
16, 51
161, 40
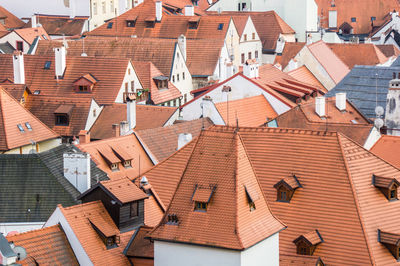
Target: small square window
393, 194
252, 206
28, 126
109, 25
130, 23
20, 128
200, 206
373, 18
220, 26
114, 166
47, 65
353, 20
127, 164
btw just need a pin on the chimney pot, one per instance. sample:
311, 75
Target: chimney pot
158, 11
320, 106
84, 137
341, 101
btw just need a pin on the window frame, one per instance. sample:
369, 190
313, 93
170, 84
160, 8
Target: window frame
59, 122
19, 43
200, 206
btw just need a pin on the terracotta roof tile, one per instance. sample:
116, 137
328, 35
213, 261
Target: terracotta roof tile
54, 248
288, 260
79, 217
389, 238
289, 52
386, 148
200, 8
124, 190
388, 50
60, 25
223, 155
252, 111
303, 74
16, 90
11, 21
30, 34
13, 114
140, 246
147, 116
313, 237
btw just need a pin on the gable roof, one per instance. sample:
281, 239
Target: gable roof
354, 54
54, 247
234, 227
30, 34
13, 114
147, 116
123, 190
60, 25
333, 65
386, 148
11, 21
303, 74
289, 52
163, 141
15, 90
388, 49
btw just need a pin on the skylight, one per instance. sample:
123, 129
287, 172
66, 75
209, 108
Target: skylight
28, 126
47, 65
109, 25
36, 92
220, 26
20, 128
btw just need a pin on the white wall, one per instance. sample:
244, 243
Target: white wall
130, 75
94, 113
6, 228
373, 137
250, 45
43, 146
174, 254
264, 253
185, 86
12, 38
58, 218
97, 18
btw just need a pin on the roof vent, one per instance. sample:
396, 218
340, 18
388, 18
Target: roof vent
144, 181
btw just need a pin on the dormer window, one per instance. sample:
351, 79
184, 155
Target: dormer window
131, 21
28, 126
307, 243
252, 196
150, 22
194, 22
127, 164
220, 26
21, 129
161, 82
107, 233
202, 197
63, 114
286, 187
388, 186
114, 166
85, 83
109, 156
391, 241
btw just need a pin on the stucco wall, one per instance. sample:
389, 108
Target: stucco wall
185, 83
264, 253
43, 146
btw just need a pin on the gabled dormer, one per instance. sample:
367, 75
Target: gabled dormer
252, 196
307, 243
125, 157
85, 83
150, 22
110, 157
388, 186
193, 22
107, 233
286, 187
202, 196
161, 82
391, 241
131, 21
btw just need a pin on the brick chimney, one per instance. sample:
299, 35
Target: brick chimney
19, 67
84, 137
116, 130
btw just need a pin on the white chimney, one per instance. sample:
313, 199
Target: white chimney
60, 61
123, 128
77, 170
189, 10
182, 45
341, 101
158, 11
250, 69
33, 21
206, 106
19, 68
320, 106
131, 112
183, 139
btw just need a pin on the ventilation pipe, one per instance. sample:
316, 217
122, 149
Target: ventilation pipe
320, 106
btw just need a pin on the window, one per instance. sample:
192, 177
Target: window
249, 55
183, 75
220, 26
393, 194
130, 23
245, 37
353, 20
254, 36
185, 98
126, 86
95, 8
302, 250
47, 65
373, 18
20, 46
282, 196
132, 85
44, 37
173, 78
94, 113
62, 120
193, 25
103, 7
252, 206
83, 88
243, 59
200, 206
20, 128
177, 77
109, 25
28, 126
114, 166
129, 71
332, 19
256, 54
134, 209
127, 164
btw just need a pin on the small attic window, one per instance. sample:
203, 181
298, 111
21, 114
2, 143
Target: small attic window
150, 22
202, 197
252, 196
114, 167
286, 187
106, 234
353, 19
161, 82
28, 126
388, 186
21, 129
373, 18
127, 164
130, 23
391, 242
220, 26
36, 92
109, 25
307, 243
47, 65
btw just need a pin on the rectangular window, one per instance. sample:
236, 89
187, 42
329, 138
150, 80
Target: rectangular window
109, 25
20, 46
177, 77
185, 98
126, 86
249, 55
353, 20
83, 88
62, 120
94, 8
103, 7
134, 209
132, 86
130, 23
245, 37
243, 59
173, 78
183, 75
256, 54
220, 26
254, 35
114, 167
332, 19
373, 18
200, 206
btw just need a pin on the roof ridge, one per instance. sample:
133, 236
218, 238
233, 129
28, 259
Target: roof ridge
236, 147
2, 118
35, 230
355, 198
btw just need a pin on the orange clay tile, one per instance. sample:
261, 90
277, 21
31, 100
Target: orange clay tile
124, 190
11, 20
387, 148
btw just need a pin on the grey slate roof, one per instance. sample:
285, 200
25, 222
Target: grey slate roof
6, 48
360, 87
5, 248
31, 185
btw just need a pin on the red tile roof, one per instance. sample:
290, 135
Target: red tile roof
124, 190
30, 34
333, 65
163, 141
347, 219
11, 21
16, 90
289, 52
147, 116
354, 54
303, 74
388, 50
199, 9
247, 112
60, 25
235, 227
79, 218
387, 148
141, 247
13, 114
299, 260
54, 248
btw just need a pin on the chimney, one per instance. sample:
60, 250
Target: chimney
19, 67
341, 101
183, 139
392, 112
206, 106
182, 45
33, 21
77, 170
320, 106
60, 61
123, 128
250, 69
131, 111
84, 137
189, 11
116, 130
158, 11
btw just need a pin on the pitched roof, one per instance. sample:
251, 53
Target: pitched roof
202, 56
303, 74
366, 84
146, 72
11, 21
30, 34
15, 90
335, 67
53, 249
388, 50
252, 111
163, 141
354, 54
147, 116
13, 114
123, 190
79, 218
304, 260
199, 8
289, 52
344, 186
108, 71
60, 25
386, 148
139, 245
235, 227
102, 150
